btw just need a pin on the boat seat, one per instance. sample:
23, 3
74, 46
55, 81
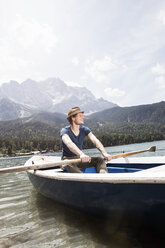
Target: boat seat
90, 170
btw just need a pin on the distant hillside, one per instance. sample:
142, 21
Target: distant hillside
57, 119
151, 113
41, 125
10, 110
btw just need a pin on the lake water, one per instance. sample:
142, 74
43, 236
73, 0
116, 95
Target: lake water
28, 219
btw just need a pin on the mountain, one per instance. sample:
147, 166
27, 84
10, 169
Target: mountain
10, 110
150, 113
57, 119
50, 95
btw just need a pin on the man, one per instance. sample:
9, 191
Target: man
72, 142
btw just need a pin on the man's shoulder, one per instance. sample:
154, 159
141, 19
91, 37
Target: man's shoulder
65, 129
85, 129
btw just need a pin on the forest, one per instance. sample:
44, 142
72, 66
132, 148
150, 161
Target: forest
37, 136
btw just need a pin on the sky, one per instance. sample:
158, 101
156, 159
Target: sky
115, 48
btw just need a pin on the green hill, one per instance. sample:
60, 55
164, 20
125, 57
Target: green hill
153, 113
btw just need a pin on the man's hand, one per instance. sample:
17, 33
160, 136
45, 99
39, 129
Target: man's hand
85, 158
107, 157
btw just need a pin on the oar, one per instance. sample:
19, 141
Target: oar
69, 161
123, 155
39, 166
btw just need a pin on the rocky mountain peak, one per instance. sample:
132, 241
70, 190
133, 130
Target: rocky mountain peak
52, 95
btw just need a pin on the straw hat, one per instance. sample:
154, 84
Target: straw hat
74, 111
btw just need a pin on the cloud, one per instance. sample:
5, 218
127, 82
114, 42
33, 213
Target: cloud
75, 61
160, 81
115, 92
23, 44
11, 66
101, 69
29, 33
161, 17
159, 71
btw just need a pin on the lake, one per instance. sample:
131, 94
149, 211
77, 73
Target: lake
28, 219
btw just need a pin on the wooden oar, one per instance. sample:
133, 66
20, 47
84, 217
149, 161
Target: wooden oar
69, 161
123, 155
39, 166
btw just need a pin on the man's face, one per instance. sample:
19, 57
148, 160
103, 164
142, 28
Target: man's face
78, 119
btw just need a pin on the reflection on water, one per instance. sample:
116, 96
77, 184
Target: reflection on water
27, 219
79, 228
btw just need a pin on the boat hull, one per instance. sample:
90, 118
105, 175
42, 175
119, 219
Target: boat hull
103, 198
122, 190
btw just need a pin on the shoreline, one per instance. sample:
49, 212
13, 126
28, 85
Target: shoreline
21, 154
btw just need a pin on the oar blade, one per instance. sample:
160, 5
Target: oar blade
152, 149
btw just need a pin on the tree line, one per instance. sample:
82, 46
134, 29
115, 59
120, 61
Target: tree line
11, 147
36, 136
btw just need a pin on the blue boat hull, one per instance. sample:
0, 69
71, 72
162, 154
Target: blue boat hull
103, 198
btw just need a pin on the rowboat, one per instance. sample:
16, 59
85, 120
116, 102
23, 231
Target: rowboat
132, 184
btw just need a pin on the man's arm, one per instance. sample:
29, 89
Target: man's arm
73, 148
99, 146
